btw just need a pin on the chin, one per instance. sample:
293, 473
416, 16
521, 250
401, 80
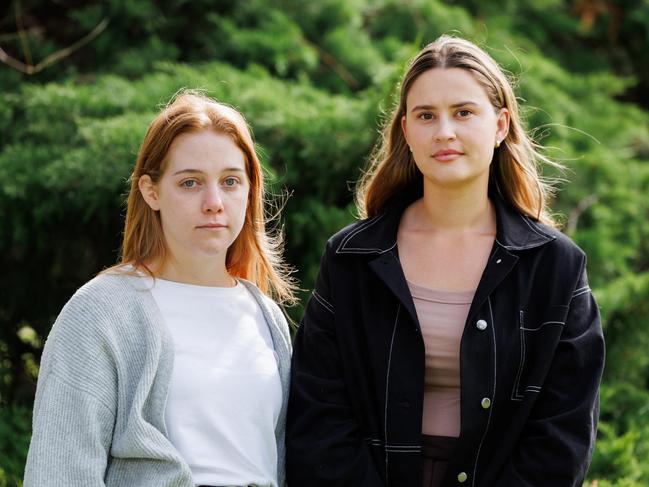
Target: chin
208, 251
454, 179
448, 181
215, 251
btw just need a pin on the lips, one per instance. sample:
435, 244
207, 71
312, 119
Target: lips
447, 155
212, 226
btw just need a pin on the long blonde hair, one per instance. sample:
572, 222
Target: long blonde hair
393, 175
255, 255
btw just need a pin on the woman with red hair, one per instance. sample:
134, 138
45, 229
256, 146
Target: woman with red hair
171, 368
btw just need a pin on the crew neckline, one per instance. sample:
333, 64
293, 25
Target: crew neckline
194, 289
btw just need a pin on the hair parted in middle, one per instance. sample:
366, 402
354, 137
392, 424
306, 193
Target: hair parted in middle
393, 175
255, 255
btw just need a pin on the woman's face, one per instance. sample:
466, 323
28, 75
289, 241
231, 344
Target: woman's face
452, 128
202, 196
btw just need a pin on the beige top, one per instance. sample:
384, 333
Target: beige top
441, 315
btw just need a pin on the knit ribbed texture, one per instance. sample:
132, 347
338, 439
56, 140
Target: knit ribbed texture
102, 387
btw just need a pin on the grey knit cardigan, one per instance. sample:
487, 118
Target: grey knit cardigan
102, 387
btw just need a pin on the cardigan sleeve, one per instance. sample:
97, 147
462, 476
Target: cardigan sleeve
71, 437
323, 443
74, 409
556, 444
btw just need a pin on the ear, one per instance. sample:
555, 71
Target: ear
502, 124
404, 128
149, 191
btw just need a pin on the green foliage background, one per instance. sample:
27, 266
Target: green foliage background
315, 80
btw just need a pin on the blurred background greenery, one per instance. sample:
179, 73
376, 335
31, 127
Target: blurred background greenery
80, 81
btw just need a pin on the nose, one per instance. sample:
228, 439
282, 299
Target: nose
445, 130
212, 199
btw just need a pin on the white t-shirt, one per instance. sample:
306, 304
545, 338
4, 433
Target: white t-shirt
225, 393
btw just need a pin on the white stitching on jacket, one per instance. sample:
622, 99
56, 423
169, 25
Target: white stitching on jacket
325, 304
493, 400
580, 291
375, 441
514, 247
368, 251
534, 228
360, 228
543, 324
387, 382
393, 448
515, 395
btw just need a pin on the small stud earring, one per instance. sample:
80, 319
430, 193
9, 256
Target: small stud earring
410, 148
497, 144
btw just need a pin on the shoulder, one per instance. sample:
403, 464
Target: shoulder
274, 307
560, 253
104, 294
339, 239
267, 303
561, 243
271, 311
106, 285
112, 318
104, 306
108, 325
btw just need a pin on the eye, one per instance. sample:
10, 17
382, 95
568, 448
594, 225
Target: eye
189, 183
230, 182
425, 116
464, 113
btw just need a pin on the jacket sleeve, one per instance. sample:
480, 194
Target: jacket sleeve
73, 415
324, 445
556, 445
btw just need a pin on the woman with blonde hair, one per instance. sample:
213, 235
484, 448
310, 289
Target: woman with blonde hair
451, 338
171, 368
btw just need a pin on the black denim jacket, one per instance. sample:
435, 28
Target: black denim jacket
529, 378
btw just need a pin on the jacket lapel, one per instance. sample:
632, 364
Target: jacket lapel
377, 238
388, 268
498, 267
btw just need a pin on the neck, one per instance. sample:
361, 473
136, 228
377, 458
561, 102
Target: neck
212, 273
453, 209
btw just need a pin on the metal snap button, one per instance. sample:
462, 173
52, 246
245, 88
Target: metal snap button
462, 477
481, 325
485, 403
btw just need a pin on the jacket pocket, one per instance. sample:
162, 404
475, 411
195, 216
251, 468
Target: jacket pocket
540, 332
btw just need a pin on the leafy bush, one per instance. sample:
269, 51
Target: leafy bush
314, 79
15, 431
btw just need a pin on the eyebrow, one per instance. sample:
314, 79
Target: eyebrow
454, 105
198, 171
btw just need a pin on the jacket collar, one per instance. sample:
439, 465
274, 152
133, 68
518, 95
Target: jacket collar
378, 235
